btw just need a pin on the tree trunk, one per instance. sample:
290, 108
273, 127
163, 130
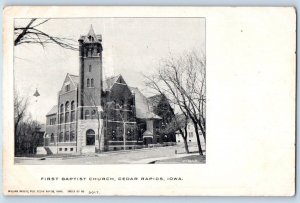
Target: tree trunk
198, 138
186, 146
184, 137
202, 130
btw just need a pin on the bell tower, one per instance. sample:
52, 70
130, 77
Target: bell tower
90, 74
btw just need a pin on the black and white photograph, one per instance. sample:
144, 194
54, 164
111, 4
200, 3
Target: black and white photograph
113, 90
118, 101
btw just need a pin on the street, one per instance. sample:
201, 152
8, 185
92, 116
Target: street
140, 156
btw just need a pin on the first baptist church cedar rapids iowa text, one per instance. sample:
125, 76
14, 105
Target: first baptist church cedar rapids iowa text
92, 114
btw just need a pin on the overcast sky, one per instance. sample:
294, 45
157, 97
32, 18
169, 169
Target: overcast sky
131, 47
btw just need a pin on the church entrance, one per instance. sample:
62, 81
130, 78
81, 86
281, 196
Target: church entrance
90, 137
148, 140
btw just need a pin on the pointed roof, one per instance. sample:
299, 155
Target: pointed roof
91, 32
69, 79
91, 36
74, 78
142, 106
52, 111
109, 82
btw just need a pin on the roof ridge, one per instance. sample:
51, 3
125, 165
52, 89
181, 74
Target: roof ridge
156, 95
53, 110
73, 74
91, 31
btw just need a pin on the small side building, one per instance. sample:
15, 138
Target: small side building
191, 135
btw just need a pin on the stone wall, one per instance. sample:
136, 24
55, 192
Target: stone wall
83, 127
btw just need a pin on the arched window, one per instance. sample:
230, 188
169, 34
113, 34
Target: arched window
67, 117
121, 104
91, 38
52, 138
92, 82
61, 137
72, 111
72, 116
88, 82
61, 108
87, 114
67, 106
72, 136
61, 118
90, 137
72, 105
67, 136
92, 50
90, 68
67, 114
93, 114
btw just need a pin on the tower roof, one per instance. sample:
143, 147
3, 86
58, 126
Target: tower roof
91, 32
91, 37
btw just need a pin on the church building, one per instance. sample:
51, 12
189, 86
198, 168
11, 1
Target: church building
93, 114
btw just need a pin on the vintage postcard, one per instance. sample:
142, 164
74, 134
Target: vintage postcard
120, 100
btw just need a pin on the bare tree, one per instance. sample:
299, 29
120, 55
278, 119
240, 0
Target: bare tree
25, 128
182, 80
27, 137
179, 123
32, 34
107, 108
20, 108
119, 114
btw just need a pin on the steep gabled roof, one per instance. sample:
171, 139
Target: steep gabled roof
109, 82
52, 111
142, 106
74, 78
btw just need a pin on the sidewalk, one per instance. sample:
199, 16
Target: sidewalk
167, 154
153, 160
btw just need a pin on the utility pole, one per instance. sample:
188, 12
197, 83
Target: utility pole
124, 134
36, 95
99, 119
